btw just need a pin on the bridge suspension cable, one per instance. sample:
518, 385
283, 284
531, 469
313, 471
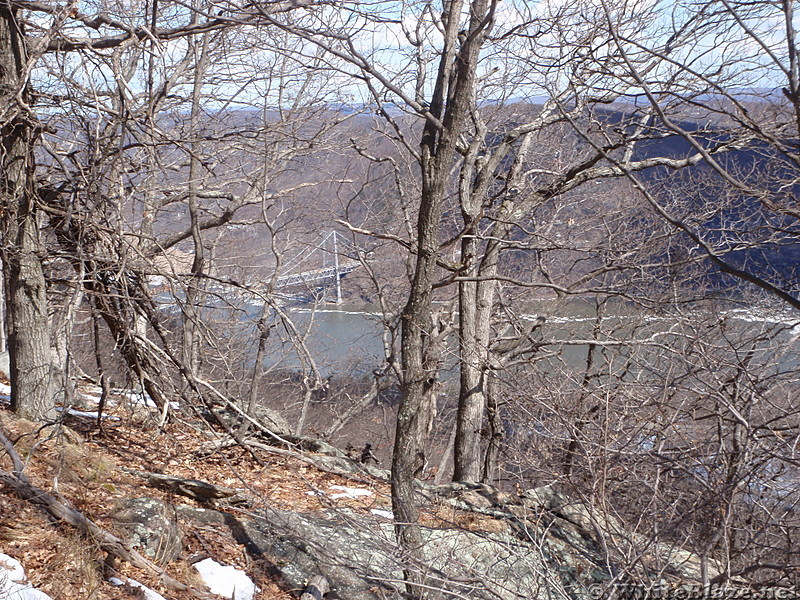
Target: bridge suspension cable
332, 273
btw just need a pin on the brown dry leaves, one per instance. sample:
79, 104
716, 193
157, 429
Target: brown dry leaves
92, 472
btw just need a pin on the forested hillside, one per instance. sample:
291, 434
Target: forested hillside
526, 272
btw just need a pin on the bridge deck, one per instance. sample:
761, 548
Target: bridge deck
316, 275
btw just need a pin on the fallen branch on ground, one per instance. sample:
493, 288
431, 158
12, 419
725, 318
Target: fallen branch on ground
329, 464
61, 512
317, 587
200, 491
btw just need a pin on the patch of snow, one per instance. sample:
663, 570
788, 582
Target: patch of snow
13, 568
349, 492
13, 584
90, 398
226, 581
148, 593
5, 392
88, 414
386, 514
346, 492
140, 398
145, 399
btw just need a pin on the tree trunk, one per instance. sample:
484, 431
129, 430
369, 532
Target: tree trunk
3, 334
476, 301
491, 461
473, 329
25, 287
454, 90
190, 346
408, 456
477, 291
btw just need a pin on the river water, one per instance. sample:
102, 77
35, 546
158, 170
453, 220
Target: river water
341, 338
347, 338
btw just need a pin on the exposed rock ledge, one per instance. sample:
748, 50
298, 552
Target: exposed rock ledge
540, 546
359, 558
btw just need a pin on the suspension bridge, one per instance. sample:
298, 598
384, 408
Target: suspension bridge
335, 253
308, 275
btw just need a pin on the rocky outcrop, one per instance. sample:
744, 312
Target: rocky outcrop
151, 526
357, 554
488, 545
265, 420
540, 544
272, 420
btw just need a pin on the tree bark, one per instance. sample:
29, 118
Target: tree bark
452, 98
476, 301
25, 287
190, 349
477, 292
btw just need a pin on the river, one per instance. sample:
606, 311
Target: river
348, 338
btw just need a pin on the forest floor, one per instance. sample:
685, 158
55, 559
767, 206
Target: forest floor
94, 469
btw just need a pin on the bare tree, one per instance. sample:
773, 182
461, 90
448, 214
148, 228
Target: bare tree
735, 108
22, 250
115, 168
472, 162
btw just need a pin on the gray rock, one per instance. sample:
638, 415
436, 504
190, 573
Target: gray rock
272, 420
358, 555
475, 495
550, 546
151, 526
574, 511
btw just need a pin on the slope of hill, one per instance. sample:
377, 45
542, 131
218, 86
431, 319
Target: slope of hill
284, 515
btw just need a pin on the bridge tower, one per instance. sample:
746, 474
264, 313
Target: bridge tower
334, 267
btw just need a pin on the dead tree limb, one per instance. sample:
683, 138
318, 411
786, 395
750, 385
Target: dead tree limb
317, 587
200, 491
62, 512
